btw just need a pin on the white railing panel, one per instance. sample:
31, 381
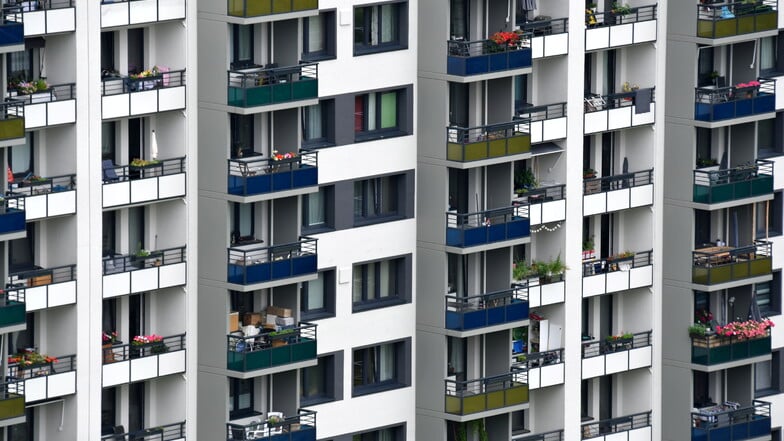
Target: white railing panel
144, 368
534, 378
144, 190
171, 186
554, 129
114, 14
143, 11
596, 122
642, 195
61, 112
594, 204
556, 45
115, 373
62, 203
117, 193
535, 214
115, 106
35, 298
618, 199
617, 281
172, 363
144, 102
536, 131
144, 280
645, 31
620, 118
639, 119
35, 116
35, 389
553, 293
639, 277
60, 20
593, 367
171, 98
116, 285
552, 375
597, 38
62, 384
537, 47
593, 285
171, 275
554, 211
617, 362
61, 294
34, 23
641, 434
621, 35
171, 10
640, 357
35, 207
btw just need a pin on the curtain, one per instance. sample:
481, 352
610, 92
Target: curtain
388, 110
374, 26
316, 33
387, 362
388, 23
316, 293
371, 112
316, 209
767, 53
356, 290
314, 117
359, 113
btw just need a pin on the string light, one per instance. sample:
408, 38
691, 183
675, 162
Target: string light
544, 227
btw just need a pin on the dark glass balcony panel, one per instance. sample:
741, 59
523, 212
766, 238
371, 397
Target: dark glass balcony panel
715, 265
743, 181
714, 349
496, 308
256, 175
729, 19
729, 421
721, 103
260, 86
250, 264
487, 142
483, 394
260, 8
271, 349
466, 58
500, 224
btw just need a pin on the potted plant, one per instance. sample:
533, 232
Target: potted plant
697, 330
589, 173
280, 338
153, 342
31, 363
591, 7
550, 271
619, 342
109, 339
589, 251
525, 180
706, 162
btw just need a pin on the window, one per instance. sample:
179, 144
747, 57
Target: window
243, 222
242, 46
768, 296
381, 283
767, 54
396, 433
381, 367
317, 211
377, 112
318, 297
20, 158
240, 398
380, 28
767, 376
241, 129
319, 37
377, 197
20, 66
320, 383
769, 217
318, 124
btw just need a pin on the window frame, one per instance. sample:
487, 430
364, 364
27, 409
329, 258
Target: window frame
329, 21
234, 400
327, 137
776, 373
402, 367
330, 289
402, 284
400, 25
333, 380
236, 63
774, 295
361, 117
327, 193
396, 184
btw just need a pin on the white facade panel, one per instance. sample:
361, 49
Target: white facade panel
115, 106
144, 368
60, 112
778, 171
171, 98
171, 275
621, 35
777, 245
118, 193
618, 199
171, 186
116, 285
116, 373
593, 367
594, 204
144, 279
143, 190
779, 88
640, 357
143, 11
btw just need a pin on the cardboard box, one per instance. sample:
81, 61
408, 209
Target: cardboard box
234, 321
280, 312
270, 319
40, 280
253, 319
285, 321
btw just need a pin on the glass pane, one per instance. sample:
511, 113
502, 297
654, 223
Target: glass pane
245, 219
316, 33
388, 25
358, 199
313, 119
385, 274
316, 293
387, 362
244, 42
359, 25
762, 377
20, 158
316, 209
371, 112
767, 53
356, 290
388, 196
359, 113
372, 288
388, 110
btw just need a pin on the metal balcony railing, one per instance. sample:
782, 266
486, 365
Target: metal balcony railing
255, 263
483, 394
610, 18
743, 181
133, 262
261, 86
270, 349
259, 175
744, 99
728, 19
730, 421
720, 264
616, 425
125, 352
618, 263
167, 432
163, 80
608, 346
464, 313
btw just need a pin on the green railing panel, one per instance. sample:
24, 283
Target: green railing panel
718, 350
305, 88
475, 151
13, 406
305, 350
12, 313
519, 144
517, 395
452, 404
454, 152
759, 346
473, 404
281, 6
304, 5
761, 267
495, 400
497, 148
762, 185
12, 128
744, 24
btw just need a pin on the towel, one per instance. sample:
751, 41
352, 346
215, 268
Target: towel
642, 101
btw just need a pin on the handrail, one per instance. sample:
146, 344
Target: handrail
267, 430
11, 109
725, 11
555, 435
65, 363
546, 27
541, 195
488, 300
744, 172
261, 76
59, 274
619, 181
541, 359
11, 389
172, 78
486, 384
616, 425
707, 420
239, 343
257, 254
162, 167
714, 95
544, 112
489, 132
166, 432
614, 100
49, 184
728, 256
42, 5
466, 49
600, 266
12, 204
638, 14
259, 165
596, 348
131, 262
55, 92
487, 217
127, 351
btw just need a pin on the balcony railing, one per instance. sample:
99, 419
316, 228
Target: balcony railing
547, 122
277, 85
128, 363
715, 349
250, 264
41, 17
271, 349
11, 31
556, 435
143, 272
729, 19
542, 293
721, 103
487, 142
260, 8
495, 308
45, 381
637, 425
12, 400
168, 432
743, 181
123, 96
721, 264
730, 422
465, 58
54, 106
134, 12
12, 309
483, 394
43, 288
12, 216
484, 227
299, 427
544, 368
617, 192
545, 204
616, 355
12, 121
256, 175
597, 348
156, 181
548, 37
619, 110
617, 273
44, 197
115, 85
605, 30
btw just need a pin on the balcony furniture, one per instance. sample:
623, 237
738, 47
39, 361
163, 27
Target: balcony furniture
109, 172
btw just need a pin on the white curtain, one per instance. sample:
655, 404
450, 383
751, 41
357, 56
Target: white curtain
316, 33
316, 209
316, 293
387, 23
386, 366
374, 26
767, 53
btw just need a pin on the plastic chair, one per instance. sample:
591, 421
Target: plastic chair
110, 173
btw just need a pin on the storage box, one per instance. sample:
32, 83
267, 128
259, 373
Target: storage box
40, 280
253, 318
234, 321
285, 321
270, 319
280, 312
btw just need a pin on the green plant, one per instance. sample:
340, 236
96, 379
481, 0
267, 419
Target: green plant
525, 179
621, 9
143, 162
697, 330
522, 270
622, 336
591, 6
588, 244
556, 266
703, 162
589, 173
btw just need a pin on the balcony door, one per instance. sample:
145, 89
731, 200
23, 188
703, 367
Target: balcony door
458, 105
136, 61
458, 19
136, 229
242, 46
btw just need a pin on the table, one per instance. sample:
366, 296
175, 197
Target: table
715, 255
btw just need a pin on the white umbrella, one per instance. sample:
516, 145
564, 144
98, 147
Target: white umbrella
154, 146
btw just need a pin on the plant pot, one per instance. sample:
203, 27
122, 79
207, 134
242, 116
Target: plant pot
108, 353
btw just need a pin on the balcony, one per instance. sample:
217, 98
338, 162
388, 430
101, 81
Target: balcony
556, 435
547, 123
116, 13
549, 38
123, 96
44, 197
469, 58
12, 218
617, 192
617, 273
12, 402
542, 293
492, 309
251, 264
712, 104
486, 227
545, 368
730, 422
11, 31
43, 17
488, 142
733, 184
13, 316
43, 288
12, 123
619, 110
135, 273
264, 350
48, 380
149, 182
276, 87
545, 204
739, 18
251, 176
711, 350
262, 8
607, 30
55, 106
486, 394
168, 432
716, 265
130, 363
617, 355
299, 427
636, 427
